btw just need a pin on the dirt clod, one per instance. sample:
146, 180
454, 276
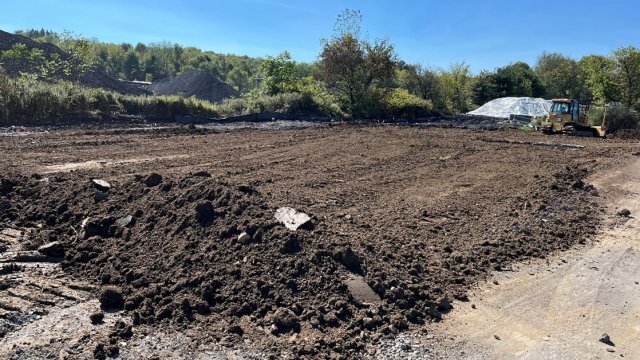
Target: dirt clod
153, 180
111, 298
96, 318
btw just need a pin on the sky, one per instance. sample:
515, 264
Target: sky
485, 34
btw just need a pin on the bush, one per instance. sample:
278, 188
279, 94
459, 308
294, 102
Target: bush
303, 104
26, 98
399, 103
621, 117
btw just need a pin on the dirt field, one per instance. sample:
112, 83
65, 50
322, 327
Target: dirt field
411, 218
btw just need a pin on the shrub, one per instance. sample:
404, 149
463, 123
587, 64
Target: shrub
621, 117
399, 103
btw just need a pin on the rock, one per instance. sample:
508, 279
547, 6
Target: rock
111, 298
244, 238
285, 320
97, 318
605, 339
361, 292
291, 218
101, 185
125, 221
624, 212
100, 196
53, 249
496, 337
461, 297
153, 180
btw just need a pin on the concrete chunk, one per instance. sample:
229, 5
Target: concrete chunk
291, 218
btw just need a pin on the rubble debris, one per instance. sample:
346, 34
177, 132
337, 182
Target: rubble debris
101, 185
291, 218
53, 249
605, 339
361, 292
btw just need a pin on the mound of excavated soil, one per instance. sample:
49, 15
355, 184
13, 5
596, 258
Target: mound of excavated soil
627, 134
201, 84
91, 78
505, 107
174, 249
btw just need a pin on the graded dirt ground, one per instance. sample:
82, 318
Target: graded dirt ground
422, 215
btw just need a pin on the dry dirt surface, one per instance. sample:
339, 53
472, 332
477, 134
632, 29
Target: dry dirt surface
561, 308
180, 256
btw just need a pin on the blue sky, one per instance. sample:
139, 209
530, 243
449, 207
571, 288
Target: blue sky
486, 34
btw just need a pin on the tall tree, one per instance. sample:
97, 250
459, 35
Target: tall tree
559, 75
351, 66
627, 65
598, 73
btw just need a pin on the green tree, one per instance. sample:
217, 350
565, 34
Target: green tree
278, 74
456, 88
352, 66
239, 79
627, 65
598, 73
559, 76
131, 66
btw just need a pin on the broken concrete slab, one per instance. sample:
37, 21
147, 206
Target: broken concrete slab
125, 221
361, 291
291, 218
101, 185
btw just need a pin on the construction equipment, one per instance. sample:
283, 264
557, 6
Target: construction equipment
570, 117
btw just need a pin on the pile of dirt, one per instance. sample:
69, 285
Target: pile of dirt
507, 106
194, 248
201, 84
90, 78
627, 134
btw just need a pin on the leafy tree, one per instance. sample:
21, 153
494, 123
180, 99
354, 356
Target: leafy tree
279, 74
352, 66
456, 88
598, 74
485, 88
627, 65
239, 79
559, 76
131, 66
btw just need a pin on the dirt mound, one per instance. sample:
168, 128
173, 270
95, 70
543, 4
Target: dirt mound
91, 78
627, 134
201, 84
194, 248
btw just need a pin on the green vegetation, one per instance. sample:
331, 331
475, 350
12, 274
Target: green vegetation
353, 77
26, 98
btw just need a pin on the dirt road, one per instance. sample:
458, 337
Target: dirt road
420, 215
560, 308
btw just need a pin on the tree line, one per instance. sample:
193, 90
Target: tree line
366, 78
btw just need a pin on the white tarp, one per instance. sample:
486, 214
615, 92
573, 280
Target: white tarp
505, 107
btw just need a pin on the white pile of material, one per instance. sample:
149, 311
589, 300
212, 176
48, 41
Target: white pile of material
505, 107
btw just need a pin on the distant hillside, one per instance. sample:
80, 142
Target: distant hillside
91, 78
201, 84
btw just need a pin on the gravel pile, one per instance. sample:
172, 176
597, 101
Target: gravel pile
201, 84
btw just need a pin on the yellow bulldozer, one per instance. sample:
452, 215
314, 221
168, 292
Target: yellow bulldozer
570, 117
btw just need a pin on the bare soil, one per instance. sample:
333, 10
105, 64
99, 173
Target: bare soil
420, 214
